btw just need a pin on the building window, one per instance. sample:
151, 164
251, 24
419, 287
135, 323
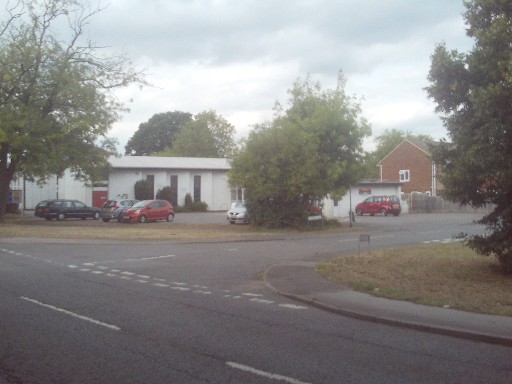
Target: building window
174, 190
197, 188
151, 182
405, 175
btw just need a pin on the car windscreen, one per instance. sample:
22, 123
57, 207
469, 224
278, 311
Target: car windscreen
141, 204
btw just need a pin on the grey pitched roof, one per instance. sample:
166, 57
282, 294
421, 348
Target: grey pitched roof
155, 162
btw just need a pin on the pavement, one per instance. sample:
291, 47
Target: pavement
300, 282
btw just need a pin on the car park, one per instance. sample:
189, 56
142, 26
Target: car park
114, 209
149, 210
61, 209
238, 213
382, 205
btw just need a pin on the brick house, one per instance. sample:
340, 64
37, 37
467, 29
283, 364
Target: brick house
411, 164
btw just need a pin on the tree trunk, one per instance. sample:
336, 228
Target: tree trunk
6, 173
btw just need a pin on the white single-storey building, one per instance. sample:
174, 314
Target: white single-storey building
205, 179
358, 193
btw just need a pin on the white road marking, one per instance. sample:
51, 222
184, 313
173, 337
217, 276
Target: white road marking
180, 286
268, 375
292, 306
153, 258
262, 301
72, 314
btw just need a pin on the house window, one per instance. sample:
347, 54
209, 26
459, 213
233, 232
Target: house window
197, 188
405, 175
174, 190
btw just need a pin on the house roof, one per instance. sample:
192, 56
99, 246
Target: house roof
155, 162
418, 144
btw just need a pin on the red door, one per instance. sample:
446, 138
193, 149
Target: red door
99, 198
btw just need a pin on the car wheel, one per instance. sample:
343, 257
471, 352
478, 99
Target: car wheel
231, 222
96, 216
106, 220
170, 218
359, 212
143, 219
48, 218
61, 216
396, 214
383, 212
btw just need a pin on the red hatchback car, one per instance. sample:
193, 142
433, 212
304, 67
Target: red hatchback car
149, 210
382, 205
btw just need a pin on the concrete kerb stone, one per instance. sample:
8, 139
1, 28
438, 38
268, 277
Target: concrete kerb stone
332, 298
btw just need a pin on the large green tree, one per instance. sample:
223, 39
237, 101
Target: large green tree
473, 92
310, 150
207, 135
157, 134
56, 105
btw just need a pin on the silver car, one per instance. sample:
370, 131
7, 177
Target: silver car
238, 213
114, 209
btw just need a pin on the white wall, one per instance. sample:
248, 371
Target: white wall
214, 185
357, 195
65, 187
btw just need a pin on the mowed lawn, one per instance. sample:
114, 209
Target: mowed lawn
444, 275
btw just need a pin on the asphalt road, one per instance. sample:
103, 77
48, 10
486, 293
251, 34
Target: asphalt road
200, 313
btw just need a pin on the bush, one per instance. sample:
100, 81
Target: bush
166, 194
143, 190
192, 206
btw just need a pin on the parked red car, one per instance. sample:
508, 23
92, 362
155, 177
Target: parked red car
149, 210
382, 205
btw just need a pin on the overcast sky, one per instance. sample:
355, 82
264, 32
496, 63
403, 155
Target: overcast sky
238, 57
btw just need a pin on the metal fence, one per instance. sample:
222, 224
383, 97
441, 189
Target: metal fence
423, 203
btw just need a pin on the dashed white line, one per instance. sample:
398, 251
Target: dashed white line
292, 306
72, 314
268, 375
179, 286
262, 301
153, 258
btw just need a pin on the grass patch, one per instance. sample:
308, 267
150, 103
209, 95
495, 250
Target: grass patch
16, 227
447, 275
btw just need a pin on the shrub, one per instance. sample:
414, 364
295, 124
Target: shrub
166, 194
143, 190
192, 206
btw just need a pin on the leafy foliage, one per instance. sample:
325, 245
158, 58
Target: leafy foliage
473, 92
206, 135
308, 151
56, 105
192, 206
157, 134
143, 190
166, 194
